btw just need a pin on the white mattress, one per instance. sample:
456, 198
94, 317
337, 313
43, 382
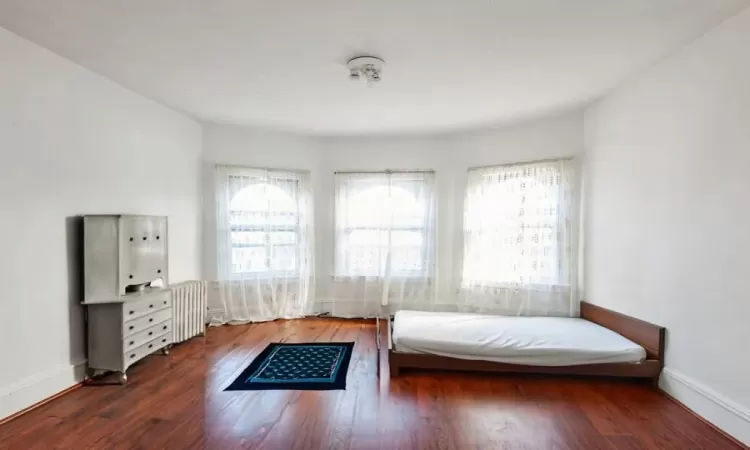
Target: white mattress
536, 341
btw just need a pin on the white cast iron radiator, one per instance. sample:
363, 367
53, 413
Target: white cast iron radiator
188, 310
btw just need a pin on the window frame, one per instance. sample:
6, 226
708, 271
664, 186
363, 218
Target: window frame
560, 285
266, 229
422, 230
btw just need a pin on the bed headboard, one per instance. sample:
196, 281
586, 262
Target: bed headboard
645, 334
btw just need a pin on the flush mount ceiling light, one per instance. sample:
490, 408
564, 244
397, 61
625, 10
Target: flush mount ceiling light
367, 67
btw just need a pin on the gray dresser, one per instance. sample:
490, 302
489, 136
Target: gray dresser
128, 301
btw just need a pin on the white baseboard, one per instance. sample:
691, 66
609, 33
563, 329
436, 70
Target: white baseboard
41, 386
724, 413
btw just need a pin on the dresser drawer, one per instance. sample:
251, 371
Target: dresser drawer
138, 353
136, 325
149, 334
134, 309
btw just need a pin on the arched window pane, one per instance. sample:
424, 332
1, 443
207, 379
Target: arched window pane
262, 197
383, 206
262, 204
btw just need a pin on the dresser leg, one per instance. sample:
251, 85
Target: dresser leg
122, 378
165, 351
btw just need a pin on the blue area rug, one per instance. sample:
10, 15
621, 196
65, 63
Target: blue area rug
313, 366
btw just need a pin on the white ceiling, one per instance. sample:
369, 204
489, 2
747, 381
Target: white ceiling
282, 64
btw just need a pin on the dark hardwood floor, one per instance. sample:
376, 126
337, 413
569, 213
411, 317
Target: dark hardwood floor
177, 402
161, 406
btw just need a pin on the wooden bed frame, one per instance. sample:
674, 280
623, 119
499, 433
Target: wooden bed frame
647, 335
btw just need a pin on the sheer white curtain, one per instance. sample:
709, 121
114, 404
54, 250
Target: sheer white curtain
520, 239
264, 240
384, 243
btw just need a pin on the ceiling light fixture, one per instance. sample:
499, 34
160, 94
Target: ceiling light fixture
367, 67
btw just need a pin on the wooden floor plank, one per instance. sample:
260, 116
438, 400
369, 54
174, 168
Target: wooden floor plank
178, 402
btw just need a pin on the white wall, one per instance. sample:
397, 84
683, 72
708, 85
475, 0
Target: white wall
449, 155
74, 143
668, 229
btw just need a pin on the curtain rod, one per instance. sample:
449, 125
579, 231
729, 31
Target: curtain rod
387, 171
268, 169
522, 163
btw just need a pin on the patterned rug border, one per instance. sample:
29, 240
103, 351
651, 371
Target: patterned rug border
241, 384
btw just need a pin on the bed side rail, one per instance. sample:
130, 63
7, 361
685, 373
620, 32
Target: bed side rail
649, 336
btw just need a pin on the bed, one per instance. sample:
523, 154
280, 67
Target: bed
601, 343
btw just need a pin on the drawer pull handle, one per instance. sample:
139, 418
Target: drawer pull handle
150, 345
144, 238
164, 340
165, 327
131, 239
150, 306
130, 327
132, 356
158, 271
131, 312
150, 333
151, 320
132, 342
130, 276
165, 302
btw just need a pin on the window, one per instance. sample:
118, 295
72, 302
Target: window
263, 220
384, 224
517, 225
